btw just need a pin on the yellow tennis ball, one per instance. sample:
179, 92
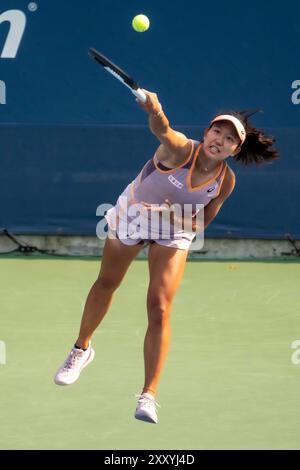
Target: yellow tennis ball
140, 23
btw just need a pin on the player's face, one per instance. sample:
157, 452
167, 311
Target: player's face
221, 141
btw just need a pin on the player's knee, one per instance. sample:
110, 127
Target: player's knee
158, 311
108, 284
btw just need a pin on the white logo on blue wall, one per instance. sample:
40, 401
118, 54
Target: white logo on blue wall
2, 92
296, 95
17, 20
32, 6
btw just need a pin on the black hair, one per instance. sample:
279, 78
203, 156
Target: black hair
257, 147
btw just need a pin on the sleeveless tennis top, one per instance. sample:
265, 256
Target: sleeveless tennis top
155, 183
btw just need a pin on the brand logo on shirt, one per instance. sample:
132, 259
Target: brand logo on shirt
211, 189
175, 182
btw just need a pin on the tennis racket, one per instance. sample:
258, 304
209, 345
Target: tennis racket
118, 73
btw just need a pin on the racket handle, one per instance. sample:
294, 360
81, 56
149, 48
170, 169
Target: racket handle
140, 95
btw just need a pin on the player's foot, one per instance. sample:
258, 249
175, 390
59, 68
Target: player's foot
70, 370
146, 408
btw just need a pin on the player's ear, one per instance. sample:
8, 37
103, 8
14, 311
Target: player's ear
237, 150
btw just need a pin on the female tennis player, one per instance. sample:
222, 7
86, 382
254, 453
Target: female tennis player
182, 171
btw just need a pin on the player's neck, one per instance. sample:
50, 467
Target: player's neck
204, 163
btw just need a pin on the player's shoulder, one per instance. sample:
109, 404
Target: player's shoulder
177, 152
230, 175
228, 182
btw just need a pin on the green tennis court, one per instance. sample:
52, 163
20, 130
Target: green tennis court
229, 382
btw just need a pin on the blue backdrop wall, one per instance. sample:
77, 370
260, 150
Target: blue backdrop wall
72, 137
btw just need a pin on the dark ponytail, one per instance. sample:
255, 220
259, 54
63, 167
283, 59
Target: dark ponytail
257, 147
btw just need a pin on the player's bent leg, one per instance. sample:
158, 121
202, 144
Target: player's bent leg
115, 261
166, 267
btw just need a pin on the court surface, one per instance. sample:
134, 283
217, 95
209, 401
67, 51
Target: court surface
229, 382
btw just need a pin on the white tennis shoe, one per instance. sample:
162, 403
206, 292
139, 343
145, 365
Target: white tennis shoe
146, 409
70, 370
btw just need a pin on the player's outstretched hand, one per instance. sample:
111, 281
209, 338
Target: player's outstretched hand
152, 105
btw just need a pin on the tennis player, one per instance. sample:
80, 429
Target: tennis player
199, 174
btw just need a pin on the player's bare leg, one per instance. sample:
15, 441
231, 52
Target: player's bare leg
166, 267
115, 262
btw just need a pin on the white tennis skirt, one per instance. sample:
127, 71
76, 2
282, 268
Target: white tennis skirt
131, 229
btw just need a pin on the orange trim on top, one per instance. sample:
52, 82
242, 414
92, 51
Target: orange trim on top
132, 192
206, 183
172, 170
140, 175
222, 179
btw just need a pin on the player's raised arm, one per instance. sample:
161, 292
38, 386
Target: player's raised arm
174, 143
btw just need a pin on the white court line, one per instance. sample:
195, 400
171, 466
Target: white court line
2, 353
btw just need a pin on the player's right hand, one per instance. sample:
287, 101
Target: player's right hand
152, 105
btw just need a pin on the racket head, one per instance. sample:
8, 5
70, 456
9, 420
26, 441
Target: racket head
107, 63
